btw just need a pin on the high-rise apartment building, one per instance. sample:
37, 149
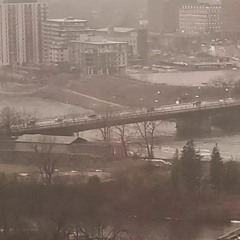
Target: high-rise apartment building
21, 24
200, 18
57, 34
231, 16
163, 15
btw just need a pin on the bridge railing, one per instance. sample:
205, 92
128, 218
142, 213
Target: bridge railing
167, 109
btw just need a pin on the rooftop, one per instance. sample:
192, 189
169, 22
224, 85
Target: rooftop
48, 139
70, 20
117, 30
104, 42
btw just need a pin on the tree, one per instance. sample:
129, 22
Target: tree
216, 168
46, 161
106, 130
99, 232
175, 174
190, 163
230, 175
148, 131
123, 134
8, 117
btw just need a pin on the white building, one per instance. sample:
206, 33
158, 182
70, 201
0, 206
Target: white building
96, 57
57, 35
122, 34
201, 18
21, 31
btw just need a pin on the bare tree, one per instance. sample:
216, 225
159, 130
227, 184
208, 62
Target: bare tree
100, 233
123, 134
8, 117
46, 161
106, 130
148, 131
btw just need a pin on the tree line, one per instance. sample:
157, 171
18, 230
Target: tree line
141, 193
188, 170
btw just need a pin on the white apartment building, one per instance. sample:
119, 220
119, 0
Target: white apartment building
21, 31
57, 34
200, 18
96, 57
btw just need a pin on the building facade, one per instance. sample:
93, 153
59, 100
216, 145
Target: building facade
231, 16
57, 34
97, 57
121, 34
200, 18
21, 24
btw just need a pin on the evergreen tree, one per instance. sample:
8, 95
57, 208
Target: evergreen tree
216, 168
231, 175
190, 163
175, 174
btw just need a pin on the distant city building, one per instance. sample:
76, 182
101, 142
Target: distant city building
93, 56
163, 15
180, 42
200, 18
57, 34
21, 31
211, 2
231, 16
121, 34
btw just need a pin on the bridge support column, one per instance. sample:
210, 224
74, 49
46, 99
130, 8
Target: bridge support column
193, 124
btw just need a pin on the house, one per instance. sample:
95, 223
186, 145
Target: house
67, 149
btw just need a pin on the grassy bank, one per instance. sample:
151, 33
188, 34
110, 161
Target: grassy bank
134, 93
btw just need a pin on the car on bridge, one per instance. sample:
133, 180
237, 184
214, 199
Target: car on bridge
58, 120
31, 123
151, 109
94, 115
197, 103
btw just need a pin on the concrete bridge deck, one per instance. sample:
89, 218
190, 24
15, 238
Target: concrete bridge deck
167, 112
234, 235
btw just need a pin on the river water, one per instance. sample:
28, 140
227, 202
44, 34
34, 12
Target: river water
168, 142
192, 78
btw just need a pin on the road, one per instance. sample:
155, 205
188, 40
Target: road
125, 117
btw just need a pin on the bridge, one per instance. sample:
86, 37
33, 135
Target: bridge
234, 235
188, 115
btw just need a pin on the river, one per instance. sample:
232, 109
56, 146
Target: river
228, 143
192, 78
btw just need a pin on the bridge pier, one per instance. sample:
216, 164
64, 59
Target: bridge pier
191, 124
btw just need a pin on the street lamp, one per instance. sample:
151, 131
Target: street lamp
141, 101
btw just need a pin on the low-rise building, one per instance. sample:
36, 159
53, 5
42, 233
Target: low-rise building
57, 34
94, 56
67, 146
201, 18
121, 34
180, 42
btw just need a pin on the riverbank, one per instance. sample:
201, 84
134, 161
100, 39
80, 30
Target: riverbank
136, 94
